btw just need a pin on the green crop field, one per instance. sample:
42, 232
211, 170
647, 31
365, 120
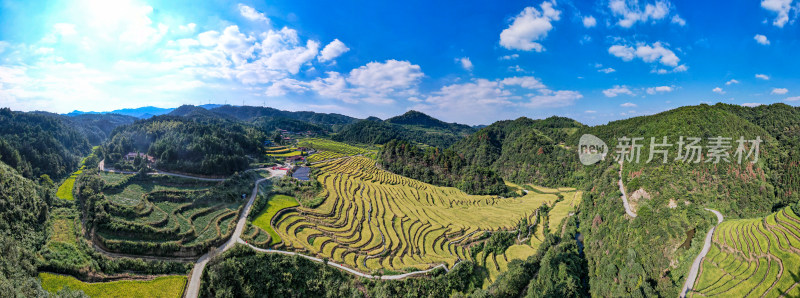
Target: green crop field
65, 189
375, 220
159, 216
329, 149
63, 227
276, 203
753, 258
164, 286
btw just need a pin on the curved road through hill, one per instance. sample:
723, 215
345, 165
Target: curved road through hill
690, 280
625, 203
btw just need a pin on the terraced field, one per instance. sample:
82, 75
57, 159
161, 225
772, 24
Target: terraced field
164, 286
328, 149
753, 258
158, 217
374, 220
65, 189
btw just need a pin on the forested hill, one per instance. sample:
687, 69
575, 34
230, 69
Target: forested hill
214, 147
412, 126
250, 113
97, 127
526, 151
421, 120
40, 143
23, 214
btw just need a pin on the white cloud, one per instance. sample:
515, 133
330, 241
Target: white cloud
617, 90
529, 27
793, 98
509, 57
64, 29
524, 82
607, 70
188, 28
388, 76
659, 89
590, 111
751, 104
589, 22
731, 82
516, 68
761, 39
554, 99
252, 14
465, 63
779, 91
676, 19
718, 90
628, 105
781, 8
630, 12
648, 53
333, 50
626, 53
762, 76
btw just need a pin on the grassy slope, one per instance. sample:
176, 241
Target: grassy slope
165, 286
276, 203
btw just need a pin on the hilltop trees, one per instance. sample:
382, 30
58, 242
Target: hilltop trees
213, 147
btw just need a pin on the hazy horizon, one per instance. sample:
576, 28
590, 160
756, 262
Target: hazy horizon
471, 62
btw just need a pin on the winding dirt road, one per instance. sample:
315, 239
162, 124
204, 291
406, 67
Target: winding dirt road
690, 280
102, 167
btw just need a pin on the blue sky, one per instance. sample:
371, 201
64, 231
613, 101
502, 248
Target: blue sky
472, 62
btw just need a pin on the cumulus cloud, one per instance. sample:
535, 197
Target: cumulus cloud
779, 91
731, 82
630, 12
333, 50
659, 89
751, 104
252, 14
589, 22
793, 98
676, 19
481, 100
617, 90
628, 105
466, 64
780, 8
762, 77
761, 39
607, 70
656, 52
718, 90
529, 27
509, 57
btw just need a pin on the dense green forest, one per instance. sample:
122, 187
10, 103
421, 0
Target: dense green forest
441, 167
526, 151
40, 143
213, 147
412, 126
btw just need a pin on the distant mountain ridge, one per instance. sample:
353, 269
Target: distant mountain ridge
142, 112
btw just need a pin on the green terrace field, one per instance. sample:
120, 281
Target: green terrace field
753, 258
283, 151
65, 189
160, 215
164, 286
373, 220
263, 221
328, 149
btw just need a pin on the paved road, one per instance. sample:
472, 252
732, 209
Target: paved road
102, 167
628, 209
193, 289
690, 280
332, 264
